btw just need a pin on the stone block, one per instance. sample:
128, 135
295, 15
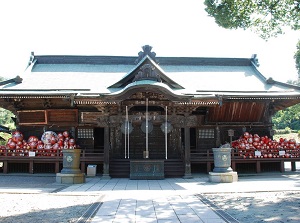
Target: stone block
65, 178
228, 177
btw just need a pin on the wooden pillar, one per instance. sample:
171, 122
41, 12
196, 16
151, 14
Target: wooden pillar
282, 166
82, 163
233, 165
5, 166
208, 167
31, 167
82, 166
57, 166
258, 169
106, 154
218, 137
187, 153
293, 166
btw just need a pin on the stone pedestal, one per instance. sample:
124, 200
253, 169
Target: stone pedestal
228, 177
70, 178
71, 174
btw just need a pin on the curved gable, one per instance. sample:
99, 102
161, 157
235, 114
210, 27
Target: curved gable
146, 69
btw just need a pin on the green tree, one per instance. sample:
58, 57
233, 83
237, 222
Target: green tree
297, 58
5, 120
289, 117
267, 18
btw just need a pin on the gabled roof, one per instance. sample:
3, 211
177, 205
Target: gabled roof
92, 76
139, 73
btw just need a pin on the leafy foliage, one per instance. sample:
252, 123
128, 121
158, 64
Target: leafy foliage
289, 117
297, 58
5, 120
264, 17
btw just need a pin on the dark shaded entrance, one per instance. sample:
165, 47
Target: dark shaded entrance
98, 140
156, 143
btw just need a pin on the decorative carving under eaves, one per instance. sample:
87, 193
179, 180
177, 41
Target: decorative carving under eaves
149, 95
191, 121
115, 121
47, 103
105, 121
183, 109
177, 120
18, 103
100, 108
147, 72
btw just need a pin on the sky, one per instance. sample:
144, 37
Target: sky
118, 27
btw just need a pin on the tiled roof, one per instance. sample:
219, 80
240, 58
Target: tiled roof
56, 75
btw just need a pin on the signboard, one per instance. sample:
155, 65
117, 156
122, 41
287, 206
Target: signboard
257, 153
230, 132
31, 153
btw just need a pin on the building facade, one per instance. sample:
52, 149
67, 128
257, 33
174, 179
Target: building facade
120, 109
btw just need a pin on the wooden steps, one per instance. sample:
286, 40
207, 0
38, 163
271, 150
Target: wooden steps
174, 168
120, 168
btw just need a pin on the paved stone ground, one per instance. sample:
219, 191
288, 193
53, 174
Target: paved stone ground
254, 198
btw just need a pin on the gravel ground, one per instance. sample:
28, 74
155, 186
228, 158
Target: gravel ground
40, 208
281, 206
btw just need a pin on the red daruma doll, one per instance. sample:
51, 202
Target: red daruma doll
49, 138
17, 136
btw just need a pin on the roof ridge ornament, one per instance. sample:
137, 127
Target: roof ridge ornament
254, 59
146, 51
31, 59
16, 80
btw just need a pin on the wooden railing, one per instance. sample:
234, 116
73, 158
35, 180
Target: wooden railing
46, 156
236, 157
202, 157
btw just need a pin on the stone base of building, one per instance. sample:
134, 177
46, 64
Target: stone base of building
70, 178
228, 177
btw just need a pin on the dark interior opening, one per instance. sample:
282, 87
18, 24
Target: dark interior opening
143, 108
99, 140
193, 139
